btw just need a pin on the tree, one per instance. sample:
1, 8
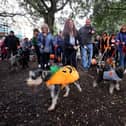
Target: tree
44, 8
108, 15
7, 10
49, 8
13, 17
34, 10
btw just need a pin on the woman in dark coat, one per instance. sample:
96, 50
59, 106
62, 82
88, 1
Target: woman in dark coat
70, 43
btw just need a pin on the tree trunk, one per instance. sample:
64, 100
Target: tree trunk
49, 19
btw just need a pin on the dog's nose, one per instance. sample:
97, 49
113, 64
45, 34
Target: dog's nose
25, 81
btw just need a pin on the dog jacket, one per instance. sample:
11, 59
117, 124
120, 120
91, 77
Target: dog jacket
64, 76
111, 75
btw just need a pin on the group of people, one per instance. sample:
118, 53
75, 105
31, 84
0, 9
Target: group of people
112, 46
65, 44
11, 46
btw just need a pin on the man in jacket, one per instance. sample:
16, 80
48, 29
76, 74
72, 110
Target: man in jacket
11, 43
85, 38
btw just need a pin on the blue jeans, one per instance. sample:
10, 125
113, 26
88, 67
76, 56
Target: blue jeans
122, 58
87, 53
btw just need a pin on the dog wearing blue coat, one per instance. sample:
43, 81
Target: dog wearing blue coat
106, 73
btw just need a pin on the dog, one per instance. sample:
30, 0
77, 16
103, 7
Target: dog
39, 76
32, 56
18, 60
14, 63
112, 75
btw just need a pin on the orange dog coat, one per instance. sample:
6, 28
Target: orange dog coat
64, 76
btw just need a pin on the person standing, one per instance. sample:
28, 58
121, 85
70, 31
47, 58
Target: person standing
26, 44
3, 50
59, 43
45, 44
34, 42
105, 45
85, 37
11, 43
121, 42
70, 36
96, 46
26, 47
112, 44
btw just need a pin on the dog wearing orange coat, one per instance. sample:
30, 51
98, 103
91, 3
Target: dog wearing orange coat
62, 78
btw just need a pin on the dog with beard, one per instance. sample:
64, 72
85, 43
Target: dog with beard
107, 73
55, 79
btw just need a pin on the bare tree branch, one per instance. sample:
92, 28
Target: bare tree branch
53, 6
45, 5
119, 8
36, 6
6, 14
63, 5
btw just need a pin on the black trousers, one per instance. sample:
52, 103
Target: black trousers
38, 54
70, 57
44, 59
11, 51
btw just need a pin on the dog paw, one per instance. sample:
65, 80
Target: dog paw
111, 89
51, 108
80, 89
65, 95
117, 87
94, 84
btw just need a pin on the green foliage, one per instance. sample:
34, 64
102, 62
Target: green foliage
108, 15
55, 30
80, 8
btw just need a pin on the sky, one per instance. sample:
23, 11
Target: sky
21, 25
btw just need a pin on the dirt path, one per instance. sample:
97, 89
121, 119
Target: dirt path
92, 107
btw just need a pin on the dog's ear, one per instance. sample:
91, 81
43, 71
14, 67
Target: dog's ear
46, 75
31, 73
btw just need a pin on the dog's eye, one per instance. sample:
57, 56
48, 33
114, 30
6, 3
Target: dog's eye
33, 77
70, 69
